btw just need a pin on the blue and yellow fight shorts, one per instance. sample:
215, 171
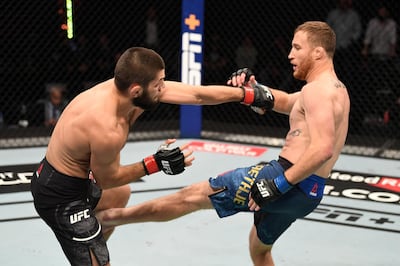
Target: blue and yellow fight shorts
275, 217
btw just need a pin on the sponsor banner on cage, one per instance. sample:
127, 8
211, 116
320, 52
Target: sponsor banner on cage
15, 178
233, 149
377, 188
192, 27
192, 41
343, 184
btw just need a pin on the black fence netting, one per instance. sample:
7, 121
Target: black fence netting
41, 61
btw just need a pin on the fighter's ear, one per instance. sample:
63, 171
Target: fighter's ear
135, 90
318, 52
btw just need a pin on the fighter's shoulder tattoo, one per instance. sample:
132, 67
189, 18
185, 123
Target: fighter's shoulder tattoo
339, 84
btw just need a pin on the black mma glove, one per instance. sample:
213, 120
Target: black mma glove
267, 190
170, 160
258, 96
239, 72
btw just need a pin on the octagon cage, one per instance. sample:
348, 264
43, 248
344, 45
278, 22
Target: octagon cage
70, 45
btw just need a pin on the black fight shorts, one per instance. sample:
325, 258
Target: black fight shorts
67, 205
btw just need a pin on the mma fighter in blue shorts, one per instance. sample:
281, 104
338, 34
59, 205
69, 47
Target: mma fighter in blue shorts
87, 141
285, 189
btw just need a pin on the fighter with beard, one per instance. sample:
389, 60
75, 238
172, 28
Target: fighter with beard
87, 140
288, 187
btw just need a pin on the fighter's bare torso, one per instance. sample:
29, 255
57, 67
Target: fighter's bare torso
326, 90
100, 108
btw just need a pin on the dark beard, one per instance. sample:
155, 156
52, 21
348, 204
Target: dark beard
145, 101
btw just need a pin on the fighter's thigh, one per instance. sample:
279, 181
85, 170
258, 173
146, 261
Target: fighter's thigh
78, 232
117, 197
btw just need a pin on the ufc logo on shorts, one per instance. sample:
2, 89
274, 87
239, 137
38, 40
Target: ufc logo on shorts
263, 191
77, 217
166, 167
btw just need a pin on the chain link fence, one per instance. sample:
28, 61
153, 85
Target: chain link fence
38, 58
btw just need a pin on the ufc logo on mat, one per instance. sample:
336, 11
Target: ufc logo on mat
77, 217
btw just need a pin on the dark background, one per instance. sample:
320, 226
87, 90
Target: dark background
36, 52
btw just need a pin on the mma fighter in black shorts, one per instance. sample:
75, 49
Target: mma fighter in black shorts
89, 136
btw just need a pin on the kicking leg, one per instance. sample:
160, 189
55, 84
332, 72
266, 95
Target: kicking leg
189, 199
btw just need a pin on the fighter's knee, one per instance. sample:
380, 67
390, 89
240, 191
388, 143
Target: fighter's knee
117, 197
260, 253
196, 195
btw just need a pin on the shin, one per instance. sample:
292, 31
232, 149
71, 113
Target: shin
184, 201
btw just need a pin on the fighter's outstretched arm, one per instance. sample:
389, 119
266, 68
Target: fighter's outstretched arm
181, 93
